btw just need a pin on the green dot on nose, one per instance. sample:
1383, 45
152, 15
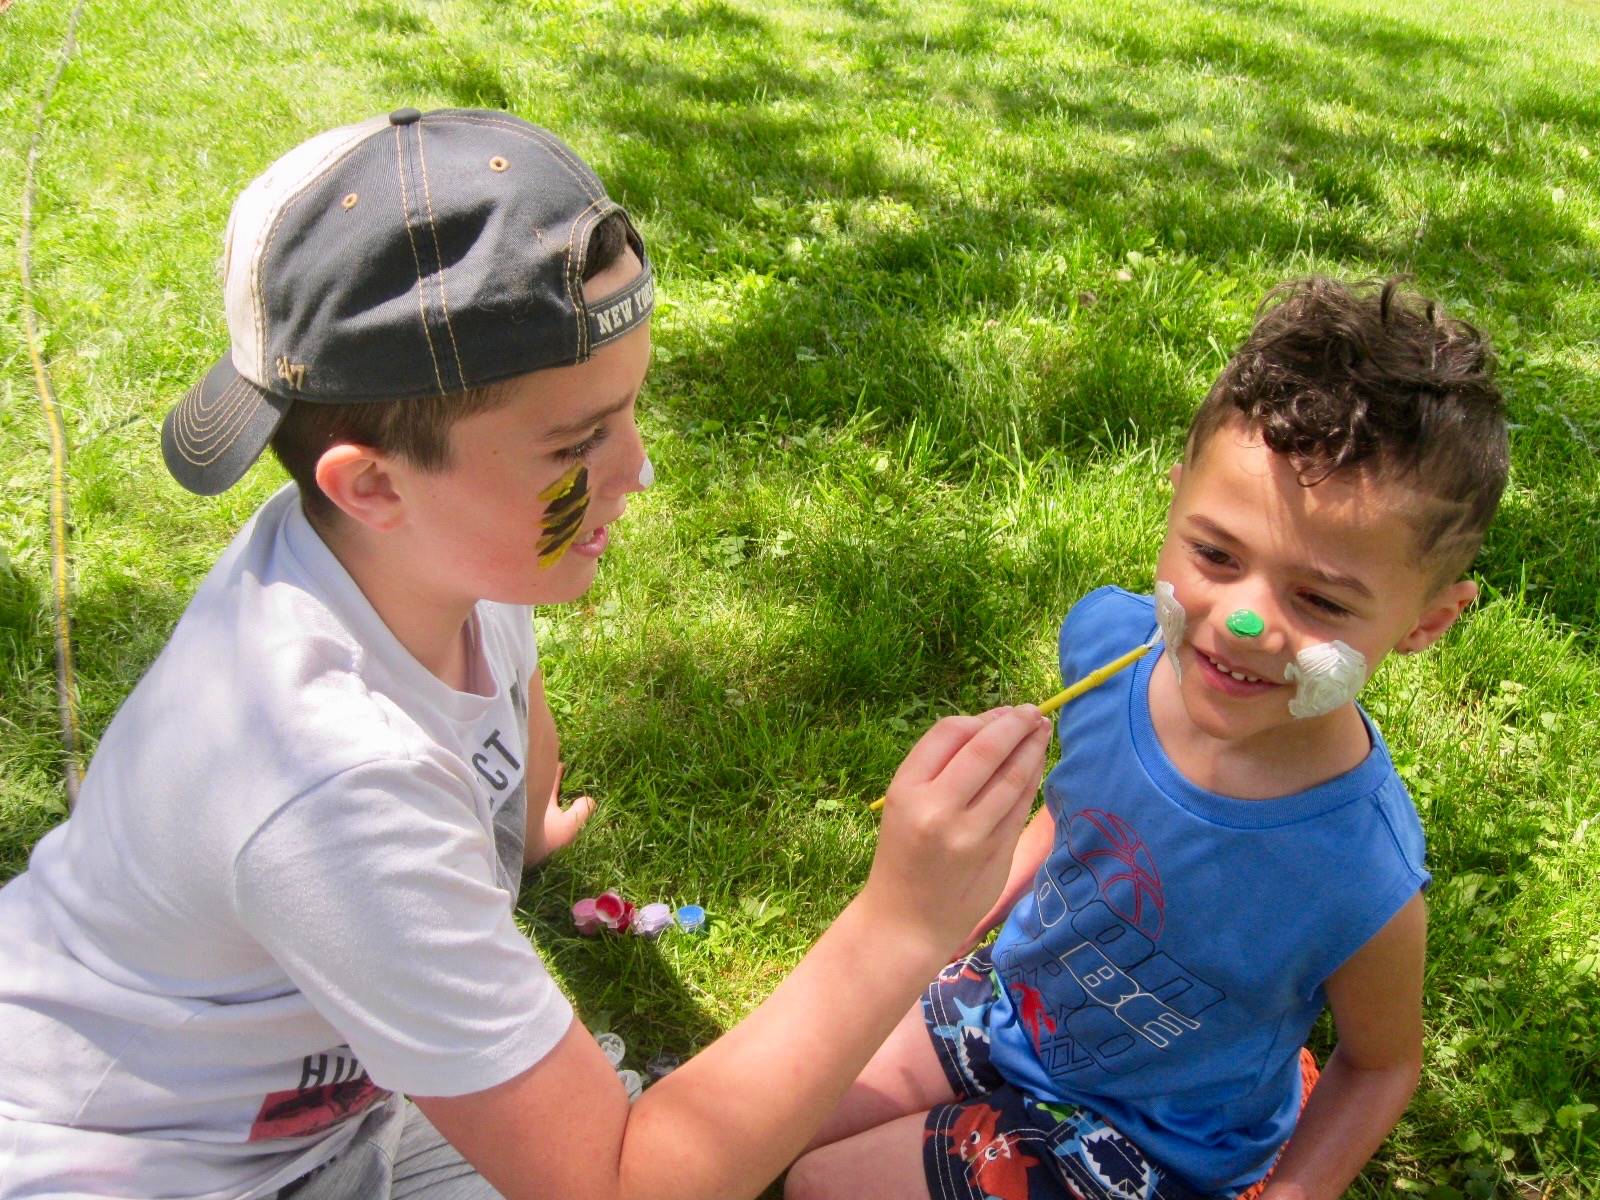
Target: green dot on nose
1245, 623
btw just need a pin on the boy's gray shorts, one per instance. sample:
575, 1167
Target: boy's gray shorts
397, 1154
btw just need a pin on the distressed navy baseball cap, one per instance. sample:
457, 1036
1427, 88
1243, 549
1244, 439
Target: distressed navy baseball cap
417, 254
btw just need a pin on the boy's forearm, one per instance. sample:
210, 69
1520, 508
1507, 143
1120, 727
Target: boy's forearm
743, 1108
728, 1121
1350, 1112
543, 773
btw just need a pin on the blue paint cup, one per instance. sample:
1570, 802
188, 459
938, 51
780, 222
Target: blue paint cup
691, 918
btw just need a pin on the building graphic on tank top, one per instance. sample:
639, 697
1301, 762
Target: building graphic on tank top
1111, 999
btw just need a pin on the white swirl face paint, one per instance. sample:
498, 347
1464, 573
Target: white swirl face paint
647, 473
1172, 621
1326, 676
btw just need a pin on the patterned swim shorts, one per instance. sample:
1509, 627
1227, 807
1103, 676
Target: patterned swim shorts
1003, 1144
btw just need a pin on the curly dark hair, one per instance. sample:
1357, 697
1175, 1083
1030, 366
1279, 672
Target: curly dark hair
418, 429
1346, 377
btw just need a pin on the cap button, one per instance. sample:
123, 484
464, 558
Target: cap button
404, 116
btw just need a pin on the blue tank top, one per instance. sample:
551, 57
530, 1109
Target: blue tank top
1168, 963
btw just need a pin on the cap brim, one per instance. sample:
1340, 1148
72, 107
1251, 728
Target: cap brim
214, 433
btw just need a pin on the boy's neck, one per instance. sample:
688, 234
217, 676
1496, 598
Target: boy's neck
1283, 761
426, 619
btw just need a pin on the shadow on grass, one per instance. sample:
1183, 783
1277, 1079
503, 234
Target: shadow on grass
745, 156
716, 789
622, 983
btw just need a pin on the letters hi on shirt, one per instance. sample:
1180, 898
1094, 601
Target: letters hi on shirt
332, 1087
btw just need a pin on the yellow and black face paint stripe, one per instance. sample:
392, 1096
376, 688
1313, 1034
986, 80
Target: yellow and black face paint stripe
568, 500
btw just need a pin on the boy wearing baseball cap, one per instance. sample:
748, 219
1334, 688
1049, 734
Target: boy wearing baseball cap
283, 903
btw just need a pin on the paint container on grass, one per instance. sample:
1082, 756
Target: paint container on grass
650, 920
615, 913
586, 918
662, 1065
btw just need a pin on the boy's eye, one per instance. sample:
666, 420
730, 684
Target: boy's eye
1212, 555
584, 447
1324, 606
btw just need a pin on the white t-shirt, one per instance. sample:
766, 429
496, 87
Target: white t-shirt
278, 897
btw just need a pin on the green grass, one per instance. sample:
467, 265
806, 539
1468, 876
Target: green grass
940, 285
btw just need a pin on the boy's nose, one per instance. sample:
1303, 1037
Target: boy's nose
633, 467
1255, 626
616, 475
1245, 623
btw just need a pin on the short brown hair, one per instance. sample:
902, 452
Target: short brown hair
1342, 377
417, 430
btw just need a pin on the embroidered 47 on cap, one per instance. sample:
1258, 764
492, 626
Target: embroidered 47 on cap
405, 256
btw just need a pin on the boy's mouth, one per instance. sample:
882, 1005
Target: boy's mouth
592, 546
1229, 678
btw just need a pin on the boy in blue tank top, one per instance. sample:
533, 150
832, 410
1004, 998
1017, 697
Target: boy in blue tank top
1225, 846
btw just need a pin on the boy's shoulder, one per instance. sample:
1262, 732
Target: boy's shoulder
279, 675
278, 629
1114, 600
1106, 622
1392, 797
278, 602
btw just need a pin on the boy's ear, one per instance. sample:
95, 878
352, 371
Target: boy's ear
1441, 611
358, 481
1175, 474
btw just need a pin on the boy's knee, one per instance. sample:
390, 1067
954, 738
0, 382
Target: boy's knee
808, 1178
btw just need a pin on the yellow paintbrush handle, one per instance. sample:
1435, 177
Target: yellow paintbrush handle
1092, 680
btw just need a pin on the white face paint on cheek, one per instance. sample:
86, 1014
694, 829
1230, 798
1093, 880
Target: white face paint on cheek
1172, 620
1326, 676
647, 473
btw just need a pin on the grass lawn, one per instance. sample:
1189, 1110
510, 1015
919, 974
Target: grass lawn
940, 283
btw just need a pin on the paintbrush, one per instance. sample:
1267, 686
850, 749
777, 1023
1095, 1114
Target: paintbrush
1092, 680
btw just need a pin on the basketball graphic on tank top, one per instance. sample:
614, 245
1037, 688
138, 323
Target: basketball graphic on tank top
1123, 868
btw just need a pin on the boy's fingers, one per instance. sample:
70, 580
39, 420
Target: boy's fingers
1010, 790
934, 749
987, 751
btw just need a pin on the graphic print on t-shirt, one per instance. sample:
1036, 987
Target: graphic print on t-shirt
496, 762
1126, 874
499, 766
332, 1087
1089, 985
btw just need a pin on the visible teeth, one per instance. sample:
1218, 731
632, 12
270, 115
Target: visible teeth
1239, 675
